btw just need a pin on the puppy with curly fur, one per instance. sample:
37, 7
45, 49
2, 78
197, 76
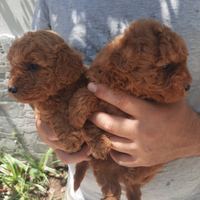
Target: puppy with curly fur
148, 61
45, 71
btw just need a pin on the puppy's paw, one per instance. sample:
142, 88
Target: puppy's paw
101, 149
71, 143
81, 105
77, 120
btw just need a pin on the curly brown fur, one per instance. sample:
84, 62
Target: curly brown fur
149, 61
46, 71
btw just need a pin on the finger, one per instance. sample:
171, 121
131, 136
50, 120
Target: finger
123, 159
119, 126
53, 144
122, 145
123, 101
73, 158
45, 130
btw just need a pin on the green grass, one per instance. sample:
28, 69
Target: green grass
23, 177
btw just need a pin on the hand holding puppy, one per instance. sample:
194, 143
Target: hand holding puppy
48, 137
157, 133
144, 144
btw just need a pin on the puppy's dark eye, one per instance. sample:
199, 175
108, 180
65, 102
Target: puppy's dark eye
34, 66
165, 67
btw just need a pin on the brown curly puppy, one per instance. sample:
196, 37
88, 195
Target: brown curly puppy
46, 72
149, 61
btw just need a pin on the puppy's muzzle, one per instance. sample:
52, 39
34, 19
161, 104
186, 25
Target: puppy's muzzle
187, 87
12, 90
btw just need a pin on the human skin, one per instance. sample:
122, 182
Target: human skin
48, 137
157, 133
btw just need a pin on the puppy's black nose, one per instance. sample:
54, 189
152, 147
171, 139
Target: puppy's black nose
12, 89
187, 87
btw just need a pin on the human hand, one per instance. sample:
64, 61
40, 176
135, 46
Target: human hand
157, 133
47, 136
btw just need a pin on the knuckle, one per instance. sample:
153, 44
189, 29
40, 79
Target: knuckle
133, 148
108, 126
150, 135
122, 101
147, 150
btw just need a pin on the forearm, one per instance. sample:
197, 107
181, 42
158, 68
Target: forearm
191, 142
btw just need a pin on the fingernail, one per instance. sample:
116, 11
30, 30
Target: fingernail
92, 87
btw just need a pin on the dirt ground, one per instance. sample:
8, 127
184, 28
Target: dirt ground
56, 189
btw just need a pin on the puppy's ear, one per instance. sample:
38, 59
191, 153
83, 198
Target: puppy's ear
172, 47
69, 64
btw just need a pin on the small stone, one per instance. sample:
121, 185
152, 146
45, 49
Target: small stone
63, 189
58, 175
52, 190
